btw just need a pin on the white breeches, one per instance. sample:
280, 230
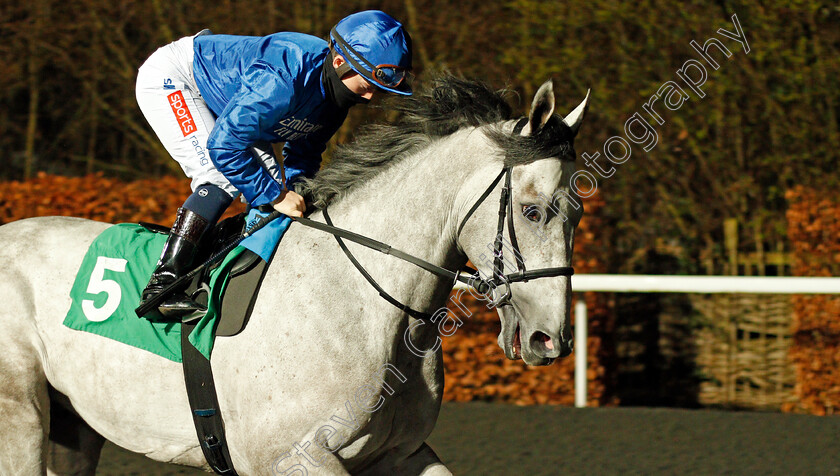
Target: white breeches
171, 102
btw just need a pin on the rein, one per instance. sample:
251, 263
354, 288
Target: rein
474, 280
341, 234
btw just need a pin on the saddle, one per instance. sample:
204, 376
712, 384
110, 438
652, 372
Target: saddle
246, 275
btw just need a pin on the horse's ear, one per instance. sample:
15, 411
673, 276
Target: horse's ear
542, 107
575, 117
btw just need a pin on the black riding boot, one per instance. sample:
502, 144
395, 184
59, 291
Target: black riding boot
176, 261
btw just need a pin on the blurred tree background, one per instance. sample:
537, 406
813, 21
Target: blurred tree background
769, 120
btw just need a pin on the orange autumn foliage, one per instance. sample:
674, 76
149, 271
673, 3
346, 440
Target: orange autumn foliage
96, 197
814, 231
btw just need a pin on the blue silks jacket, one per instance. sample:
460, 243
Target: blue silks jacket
265, 89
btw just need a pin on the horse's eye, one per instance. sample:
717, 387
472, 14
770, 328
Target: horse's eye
531, 212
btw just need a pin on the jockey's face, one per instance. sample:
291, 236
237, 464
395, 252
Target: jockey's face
354, 81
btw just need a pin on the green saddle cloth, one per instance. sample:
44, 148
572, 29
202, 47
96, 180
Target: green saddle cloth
107, 289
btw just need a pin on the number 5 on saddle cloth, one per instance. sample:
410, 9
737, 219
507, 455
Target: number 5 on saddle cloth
119, 262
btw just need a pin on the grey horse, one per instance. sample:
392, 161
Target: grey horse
326, 377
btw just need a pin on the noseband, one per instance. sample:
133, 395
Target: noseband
473, 278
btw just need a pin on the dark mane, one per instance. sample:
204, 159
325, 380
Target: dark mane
450, 104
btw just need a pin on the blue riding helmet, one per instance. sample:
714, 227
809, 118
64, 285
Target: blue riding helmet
377, 47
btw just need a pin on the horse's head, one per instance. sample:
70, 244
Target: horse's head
543, 212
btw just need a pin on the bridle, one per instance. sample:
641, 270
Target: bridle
500, 279
473, 279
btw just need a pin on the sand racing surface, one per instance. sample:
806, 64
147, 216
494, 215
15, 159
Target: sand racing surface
495, 439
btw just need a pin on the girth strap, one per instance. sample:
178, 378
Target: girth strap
204, 405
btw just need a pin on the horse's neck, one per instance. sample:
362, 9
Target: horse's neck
413, 206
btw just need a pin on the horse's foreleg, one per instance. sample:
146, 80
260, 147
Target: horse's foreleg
423, 462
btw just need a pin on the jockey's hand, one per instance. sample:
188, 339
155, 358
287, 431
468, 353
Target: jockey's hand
290, 204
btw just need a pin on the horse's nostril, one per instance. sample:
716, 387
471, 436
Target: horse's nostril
547, 341
542, 342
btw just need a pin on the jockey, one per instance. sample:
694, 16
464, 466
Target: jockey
217, 102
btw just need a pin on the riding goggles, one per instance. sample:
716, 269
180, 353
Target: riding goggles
388, 75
